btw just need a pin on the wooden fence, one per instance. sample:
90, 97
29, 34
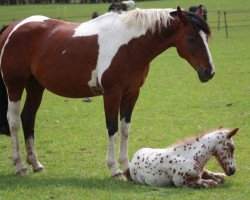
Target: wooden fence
220, 19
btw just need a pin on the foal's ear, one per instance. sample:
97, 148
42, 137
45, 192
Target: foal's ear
199, 11
183, 18
232, 133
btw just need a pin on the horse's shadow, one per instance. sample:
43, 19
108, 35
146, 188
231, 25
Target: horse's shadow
12, 181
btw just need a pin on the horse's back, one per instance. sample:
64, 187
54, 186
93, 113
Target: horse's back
47, 49
21, 38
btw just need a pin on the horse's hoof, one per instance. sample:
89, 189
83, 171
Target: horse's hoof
39, 169
119, 176
22, 172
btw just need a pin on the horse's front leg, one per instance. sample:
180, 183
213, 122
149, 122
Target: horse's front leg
127, 105
111, 105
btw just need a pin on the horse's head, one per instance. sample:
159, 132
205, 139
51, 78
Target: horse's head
224, 152
192, 43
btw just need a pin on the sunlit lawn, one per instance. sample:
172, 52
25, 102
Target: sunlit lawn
71, 135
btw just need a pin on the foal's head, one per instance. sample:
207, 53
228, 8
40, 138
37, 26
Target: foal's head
192, 42
224, 152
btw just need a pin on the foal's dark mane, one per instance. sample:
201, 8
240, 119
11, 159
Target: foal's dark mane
197, 21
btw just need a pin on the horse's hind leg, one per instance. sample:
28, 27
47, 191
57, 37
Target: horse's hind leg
13, 115
33, 100
15, 90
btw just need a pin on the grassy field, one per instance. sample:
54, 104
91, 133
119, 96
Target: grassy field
71, 134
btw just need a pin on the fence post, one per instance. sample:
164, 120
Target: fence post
218, 21
57, 12
65, 13
225, 19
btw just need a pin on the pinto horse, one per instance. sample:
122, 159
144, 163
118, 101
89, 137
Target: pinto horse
183, 163
108, 56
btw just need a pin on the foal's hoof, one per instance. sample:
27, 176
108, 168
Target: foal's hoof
211, 184
219, 177
39, 169
119, 176
22, 172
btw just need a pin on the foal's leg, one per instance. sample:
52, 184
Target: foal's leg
127, 105
33, 99
192, 178
218, 177
201, 183
111, 105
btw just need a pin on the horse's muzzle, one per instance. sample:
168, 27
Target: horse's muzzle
205, 75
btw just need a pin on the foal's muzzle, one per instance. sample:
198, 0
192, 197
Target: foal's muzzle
230, 171
205, 75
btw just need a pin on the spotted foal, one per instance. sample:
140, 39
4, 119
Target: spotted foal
183, 163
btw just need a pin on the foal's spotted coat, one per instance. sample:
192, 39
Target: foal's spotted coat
183, 164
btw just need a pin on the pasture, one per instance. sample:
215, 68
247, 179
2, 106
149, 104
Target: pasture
173, 104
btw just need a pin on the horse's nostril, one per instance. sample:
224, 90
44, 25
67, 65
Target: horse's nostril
209, 73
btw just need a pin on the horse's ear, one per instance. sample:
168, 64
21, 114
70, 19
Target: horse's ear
220, 127
232, 133
199, 11
183, 18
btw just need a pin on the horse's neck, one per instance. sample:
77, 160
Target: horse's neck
151, 45
200, 149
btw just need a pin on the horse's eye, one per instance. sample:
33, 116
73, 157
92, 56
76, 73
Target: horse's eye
191, 40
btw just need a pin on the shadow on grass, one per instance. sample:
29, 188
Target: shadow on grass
12, 181
95, 183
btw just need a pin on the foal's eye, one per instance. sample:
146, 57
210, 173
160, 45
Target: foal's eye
191, 40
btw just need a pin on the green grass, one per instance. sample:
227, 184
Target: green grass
71, 134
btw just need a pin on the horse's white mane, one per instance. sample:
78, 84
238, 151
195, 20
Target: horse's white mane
148, 18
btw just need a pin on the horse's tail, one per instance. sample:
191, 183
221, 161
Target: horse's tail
127, 174
4, 125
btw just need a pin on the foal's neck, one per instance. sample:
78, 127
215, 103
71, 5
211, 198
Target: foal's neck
200, 150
